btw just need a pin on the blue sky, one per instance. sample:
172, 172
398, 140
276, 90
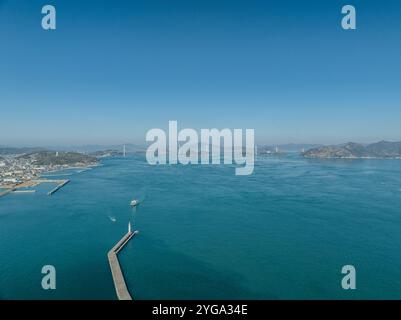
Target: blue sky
114, 69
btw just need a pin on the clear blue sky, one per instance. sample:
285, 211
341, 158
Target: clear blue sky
114, 69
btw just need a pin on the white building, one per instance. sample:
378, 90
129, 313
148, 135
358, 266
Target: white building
11, 180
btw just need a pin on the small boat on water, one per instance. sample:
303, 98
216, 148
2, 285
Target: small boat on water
134, 203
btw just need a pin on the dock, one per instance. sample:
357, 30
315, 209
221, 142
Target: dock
116, 272
62, 184
33, 183
24, 191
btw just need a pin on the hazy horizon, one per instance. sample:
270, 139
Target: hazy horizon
144, 145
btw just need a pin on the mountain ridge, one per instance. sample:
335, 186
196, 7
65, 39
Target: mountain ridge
352, 150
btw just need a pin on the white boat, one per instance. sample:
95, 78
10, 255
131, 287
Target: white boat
134, 203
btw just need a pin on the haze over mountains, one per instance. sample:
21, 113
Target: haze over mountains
382, 149
88, 149
12, 150
131, 148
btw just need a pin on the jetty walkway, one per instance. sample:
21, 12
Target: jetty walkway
33, 183
116, 272
61, 184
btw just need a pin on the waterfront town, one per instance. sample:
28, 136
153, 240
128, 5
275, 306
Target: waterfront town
14, 170
23, 170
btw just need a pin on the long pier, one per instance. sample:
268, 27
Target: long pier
24, 191
62, 184
33, 183
116, 272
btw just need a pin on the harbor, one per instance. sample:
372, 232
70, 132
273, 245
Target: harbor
16, 188
116, 272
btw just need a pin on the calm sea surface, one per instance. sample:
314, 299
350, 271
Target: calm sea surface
282, 233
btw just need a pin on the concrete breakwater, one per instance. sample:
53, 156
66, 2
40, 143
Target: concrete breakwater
116, 272
33, 183
62, 184
24, 191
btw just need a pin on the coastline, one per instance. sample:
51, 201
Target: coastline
71, 168
8, 188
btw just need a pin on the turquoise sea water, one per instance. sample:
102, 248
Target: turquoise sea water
282, 233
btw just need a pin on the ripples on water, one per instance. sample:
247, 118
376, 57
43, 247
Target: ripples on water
283, 232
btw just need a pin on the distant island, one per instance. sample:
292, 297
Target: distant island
14, 151
107, 153
351, 150
282, 149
